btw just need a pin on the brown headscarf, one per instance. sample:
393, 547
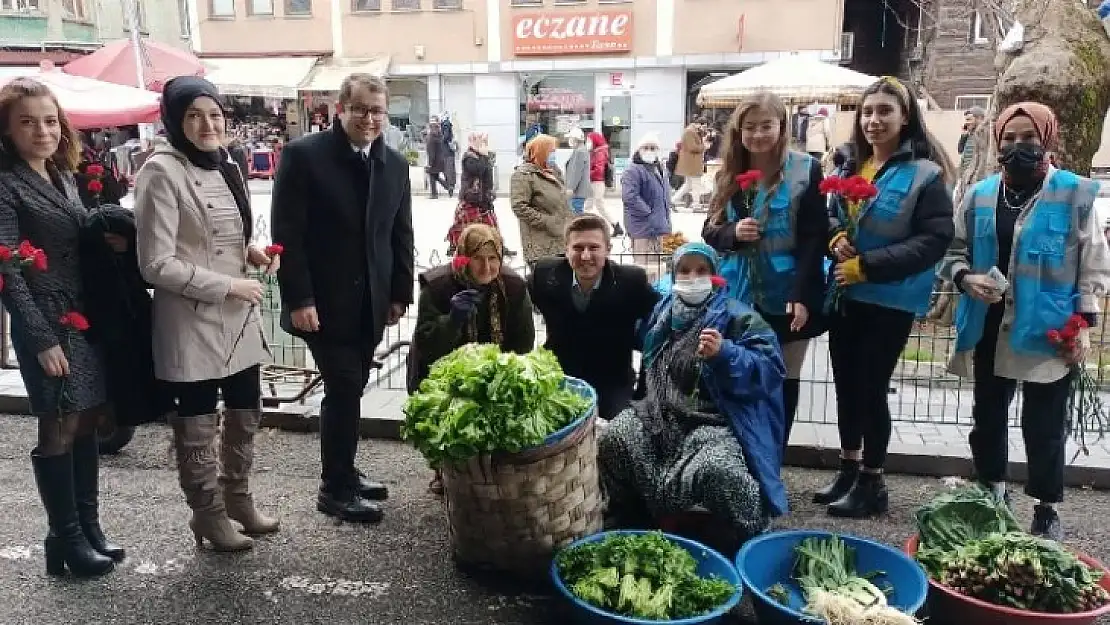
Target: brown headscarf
1043, 118
539, 148
472, 240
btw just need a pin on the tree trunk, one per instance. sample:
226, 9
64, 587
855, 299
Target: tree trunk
1064, 64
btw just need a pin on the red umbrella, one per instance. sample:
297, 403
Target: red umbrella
115, 62
93, 103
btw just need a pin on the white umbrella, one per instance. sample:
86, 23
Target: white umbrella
795, 79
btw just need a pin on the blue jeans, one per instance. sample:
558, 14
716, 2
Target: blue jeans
578, 204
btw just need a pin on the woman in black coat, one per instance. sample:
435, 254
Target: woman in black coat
62, 371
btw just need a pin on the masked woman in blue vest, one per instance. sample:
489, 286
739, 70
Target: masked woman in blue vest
1037, 226
772, 237
709, 430
886, 249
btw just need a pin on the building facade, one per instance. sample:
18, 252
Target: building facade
59, 30
625, 68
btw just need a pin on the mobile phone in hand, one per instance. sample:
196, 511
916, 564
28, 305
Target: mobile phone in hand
999, 279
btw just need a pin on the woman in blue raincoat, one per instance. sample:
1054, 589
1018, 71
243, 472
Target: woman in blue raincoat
709, 430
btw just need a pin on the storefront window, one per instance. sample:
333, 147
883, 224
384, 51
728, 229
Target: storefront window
556, 103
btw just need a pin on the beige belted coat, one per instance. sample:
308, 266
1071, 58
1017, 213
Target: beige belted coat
191, 247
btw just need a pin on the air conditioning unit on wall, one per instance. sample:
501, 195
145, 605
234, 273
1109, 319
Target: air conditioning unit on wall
847, 45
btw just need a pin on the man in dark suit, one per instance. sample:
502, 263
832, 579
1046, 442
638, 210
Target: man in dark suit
592, 307
342, 208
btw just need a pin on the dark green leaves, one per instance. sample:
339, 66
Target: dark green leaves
479, 400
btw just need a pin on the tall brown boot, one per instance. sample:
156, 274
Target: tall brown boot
197, 468
236, 458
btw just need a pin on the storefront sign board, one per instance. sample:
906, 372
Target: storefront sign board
586, 32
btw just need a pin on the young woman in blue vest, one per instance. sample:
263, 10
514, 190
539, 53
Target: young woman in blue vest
774, 245
886, 251
1036, 224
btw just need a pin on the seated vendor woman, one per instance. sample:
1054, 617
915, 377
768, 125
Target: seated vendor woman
709, 431
474, 299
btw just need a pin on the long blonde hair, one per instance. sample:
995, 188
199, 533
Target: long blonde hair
737, 159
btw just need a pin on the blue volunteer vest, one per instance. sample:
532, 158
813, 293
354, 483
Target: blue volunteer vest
1044, 264
888, 219
776, 264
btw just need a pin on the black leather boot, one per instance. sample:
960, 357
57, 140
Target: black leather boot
867, 498
65, 545
841, 484
791, 390
1046, 523
86, 470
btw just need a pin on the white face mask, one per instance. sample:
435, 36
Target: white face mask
649, 156
693, 291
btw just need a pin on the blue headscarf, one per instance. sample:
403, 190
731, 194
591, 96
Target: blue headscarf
683, 314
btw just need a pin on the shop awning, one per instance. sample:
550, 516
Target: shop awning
329, 74
271, 77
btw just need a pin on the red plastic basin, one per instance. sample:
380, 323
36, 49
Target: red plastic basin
948, 606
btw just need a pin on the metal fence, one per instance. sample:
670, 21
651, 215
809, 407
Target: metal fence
920, 391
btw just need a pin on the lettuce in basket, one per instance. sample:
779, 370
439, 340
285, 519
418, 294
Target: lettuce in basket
479, 400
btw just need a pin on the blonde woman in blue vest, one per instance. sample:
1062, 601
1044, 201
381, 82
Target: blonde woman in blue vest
773, 246
886, 250
1037, 226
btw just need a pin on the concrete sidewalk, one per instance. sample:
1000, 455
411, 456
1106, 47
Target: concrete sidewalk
919, 447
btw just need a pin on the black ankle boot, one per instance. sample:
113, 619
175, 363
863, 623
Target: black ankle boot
1046, 523
791, 390
86, 472
841, 484
867, 498
66, 545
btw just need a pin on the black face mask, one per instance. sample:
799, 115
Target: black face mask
1022, 161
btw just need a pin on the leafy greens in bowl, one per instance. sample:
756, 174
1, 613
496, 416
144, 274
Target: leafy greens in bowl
479, 400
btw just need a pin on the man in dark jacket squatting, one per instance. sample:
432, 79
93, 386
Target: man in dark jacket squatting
592, 307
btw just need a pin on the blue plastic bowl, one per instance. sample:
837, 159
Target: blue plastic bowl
769, 560
584, 389
709, 563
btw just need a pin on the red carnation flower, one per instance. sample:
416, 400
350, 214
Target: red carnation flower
95, 169
274, 250
1054, 337
96, 186
5, 253
38, 260
459, 263
830, 185
718, 281
1077, 322
75, 320
748, 178
26, 250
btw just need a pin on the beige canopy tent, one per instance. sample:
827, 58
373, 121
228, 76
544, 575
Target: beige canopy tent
796, 79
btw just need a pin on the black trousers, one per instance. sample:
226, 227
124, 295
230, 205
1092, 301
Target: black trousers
1043, 423
345, 368
241, 391
865, 343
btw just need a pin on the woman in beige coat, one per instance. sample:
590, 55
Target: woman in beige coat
539, 201
194, 225
691, 165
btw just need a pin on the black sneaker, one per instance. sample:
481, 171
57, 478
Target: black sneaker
1046, 523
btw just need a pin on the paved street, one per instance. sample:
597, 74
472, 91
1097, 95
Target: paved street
317, 571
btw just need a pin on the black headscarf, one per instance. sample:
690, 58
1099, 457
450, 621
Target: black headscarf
177, 95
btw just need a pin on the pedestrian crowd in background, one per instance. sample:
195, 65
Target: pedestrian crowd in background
788, 254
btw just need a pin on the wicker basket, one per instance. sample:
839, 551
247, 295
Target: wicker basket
510, 512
